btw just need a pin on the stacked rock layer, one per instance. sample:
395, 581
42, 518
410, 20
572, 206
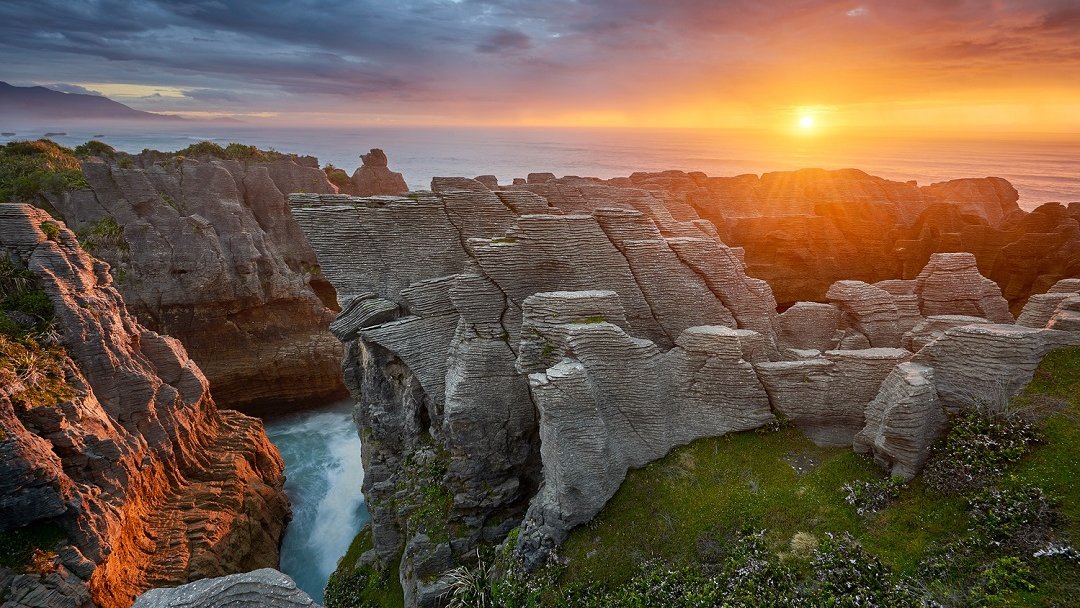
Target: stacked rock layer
151, 484
524, 346
205, 250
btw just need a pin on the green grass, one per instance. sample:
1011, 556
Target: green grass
30, 168
704, 493
353, 586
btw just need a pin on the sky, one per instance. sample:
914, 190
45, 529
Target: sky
962, 65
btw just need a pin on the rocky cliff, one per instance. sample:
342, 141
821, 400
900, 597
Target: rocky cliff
203, 249
804, 230
109, 436
516, 350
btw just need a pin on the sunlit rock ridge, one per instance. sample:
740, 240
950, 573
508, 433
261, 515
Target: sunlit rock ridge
524, 346
150, 483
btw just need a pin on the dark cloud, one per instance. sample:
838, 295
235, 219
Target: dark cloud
505, 40
416, 55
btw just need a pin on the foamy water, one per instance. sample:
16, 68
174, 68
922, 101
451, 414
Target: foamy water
1042, 168
324, 474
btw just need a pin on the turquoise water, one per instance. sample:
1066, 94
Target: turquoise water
1042, 167
324, 475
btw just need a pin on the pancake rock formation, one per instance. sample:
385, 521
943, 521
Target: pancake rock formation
126, 454
264, 588
203, 249
515, 350
373, 177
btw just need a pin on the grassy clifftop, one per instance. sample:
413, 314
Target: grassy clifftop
769, 519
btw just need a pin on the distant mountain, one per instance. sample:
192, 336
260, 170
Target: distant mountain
39, 103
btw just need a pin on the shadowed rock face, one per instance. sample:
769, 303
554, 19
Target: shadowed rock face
150, 482
205, 250
524, 346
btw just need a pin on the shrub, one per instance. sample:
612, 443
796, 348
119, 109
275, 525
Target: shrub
977, 449
874, 495
338, 177
30, 549
1004, 575
51, 230
34, 373
103, 234
30, 168
232, 151
350, 588
24, 307
1019, 518
95, 148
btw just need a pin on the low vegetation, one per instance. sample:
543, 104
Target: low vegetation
232, 151
29, 168
103, 234
337, 176
769, 519
363, 586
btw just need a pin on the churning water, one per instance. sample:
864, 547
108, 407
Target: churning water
324, 474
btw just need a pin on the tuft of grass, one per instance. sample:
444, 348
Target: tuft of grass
30, 168
103, 234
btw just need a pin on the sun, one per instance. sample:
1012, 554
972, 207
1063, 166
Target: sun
806, 122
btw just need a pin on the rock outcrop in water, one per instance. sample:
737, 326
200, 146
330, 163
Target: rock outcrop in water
514, 351
127, 455
204, 249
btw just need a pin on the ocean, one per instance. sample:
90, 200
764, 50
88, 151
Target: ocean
1043, 168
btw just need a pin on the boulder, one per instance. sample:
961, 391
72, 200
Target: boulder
265, 588
903, 421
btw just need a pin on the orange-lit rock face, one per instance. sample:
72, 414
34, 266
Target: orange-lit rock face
804, 230
147, 478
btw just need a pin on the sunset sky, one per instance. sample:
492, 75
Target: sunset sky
974, 65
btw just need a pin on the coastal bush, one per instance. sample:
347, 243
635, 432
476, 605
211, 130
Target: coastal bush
232, 151
871, 496
30, 168
25, 308
979, 446
95, 148
338, 177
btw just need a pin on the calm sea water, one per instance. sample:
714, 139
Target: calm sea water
1042, 167
324, 474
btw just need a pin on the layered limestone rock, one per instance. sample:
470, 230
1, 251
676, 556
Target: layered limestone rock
150, 483
599, 415
951, 284
825, 396
903, 421
522, 347
452, 298
205, 250
265, 588
804, 230
984, 364
373, 177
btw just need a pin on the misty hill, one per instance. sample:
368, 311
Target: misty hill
39, 103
